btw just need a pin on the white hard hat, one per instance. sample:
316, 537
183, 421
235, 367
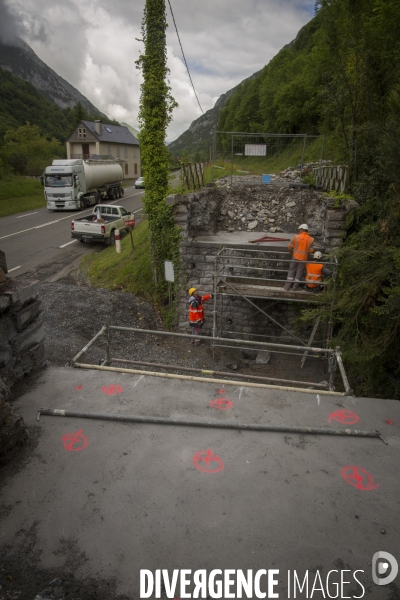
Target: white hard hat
317, 254
303, 226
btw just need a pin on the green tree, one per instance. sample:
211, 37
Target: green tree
156, 106
77, 114
28, 152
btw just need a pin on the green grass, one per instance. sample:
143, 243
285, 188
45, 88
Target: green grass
20, 194
130, 271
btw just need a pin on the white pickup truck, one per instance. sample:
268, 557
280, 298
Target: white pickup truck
101, 225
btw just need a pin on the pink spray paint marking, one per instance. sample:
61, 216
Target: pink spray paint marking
221, 404
221, 392
78, 387
213, 462
112, 390
74, 442
389, 422
347, 417
359, 478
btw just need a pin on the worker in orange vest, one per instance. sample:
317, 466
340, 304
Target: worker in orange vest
301, 246
196, 312
315, 271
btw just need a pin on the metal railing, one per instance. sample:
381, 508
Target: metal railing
333, 356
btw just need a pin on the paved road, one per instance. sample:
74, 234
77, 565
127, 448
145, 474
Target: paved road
39, 241
104, 499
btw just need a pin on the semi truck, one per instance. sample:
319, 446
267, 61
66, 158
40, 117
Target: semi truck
75, 184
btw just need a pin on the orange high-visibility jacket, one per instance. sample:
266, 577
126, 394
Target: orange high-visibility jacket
196, 310
301, 245
314, 274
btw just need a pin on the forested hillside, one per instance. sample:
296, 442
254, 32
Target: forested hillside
19, 59
341, 77
33, 130
20, 102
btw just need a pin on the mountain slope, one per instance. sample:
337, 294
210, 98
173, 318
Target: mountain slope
197, 138
239, 109
20, 102
22, 62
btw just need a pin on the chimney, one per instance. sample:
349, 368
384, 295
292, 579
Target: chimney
99, 127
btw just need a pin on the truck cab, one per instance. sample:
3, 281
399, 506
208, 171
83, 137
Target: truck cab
62, 185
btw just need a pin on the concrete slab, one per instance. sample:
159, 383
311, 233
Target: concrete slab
111, 498
241, 239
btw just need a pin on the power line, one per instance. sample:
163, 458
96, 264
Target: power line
187, 68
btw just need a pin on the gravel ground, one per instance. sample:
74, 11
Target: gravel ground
74, 312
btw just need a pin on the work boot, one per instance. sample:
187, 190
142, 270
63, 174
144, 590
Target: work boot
197, 342
286, 287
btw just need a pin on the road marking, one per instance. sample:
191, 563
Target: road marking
14, 269
45, 224
68, 243
28, 215
133, 195
61, 219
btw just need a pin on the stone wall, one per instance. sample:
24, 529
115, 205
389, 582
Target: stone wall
21, 331
21, 352
12, 431
252, 208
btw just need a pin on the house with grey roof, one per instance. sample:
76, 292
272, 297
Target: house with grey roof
93, 139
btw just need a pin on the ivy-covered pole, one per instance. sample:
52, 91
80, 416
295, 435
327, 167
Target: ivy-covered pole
156, 106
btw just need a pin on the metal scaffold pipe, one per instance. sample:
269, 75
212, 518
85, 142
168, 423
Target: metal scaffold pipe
92, 341
206, 379
208, 424
216, 373
218, 339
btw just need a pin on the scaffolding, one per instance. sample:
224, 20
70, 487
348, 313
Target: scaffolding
252, 274
256, 275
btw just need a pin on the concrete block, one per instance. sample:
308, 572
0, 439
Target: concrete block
339, 234
350, 205
334, 225
173, 199
12, 431
7, 328
5, 302
30, 361
263, 357
27, 314
3, 261
19, 291
335, 215
32, 335
334, 243
6, 355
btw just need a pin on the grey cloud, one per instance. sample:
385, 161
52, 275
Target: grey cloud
9, 26
92, 45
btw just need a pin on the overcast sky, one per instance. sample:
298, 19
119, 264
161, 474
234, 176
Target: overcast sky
93, 45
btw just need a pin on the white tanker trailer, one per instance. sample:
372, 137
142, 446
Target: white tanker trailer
77, 184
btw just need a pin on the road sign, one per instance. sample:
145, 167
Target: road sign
169, 271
